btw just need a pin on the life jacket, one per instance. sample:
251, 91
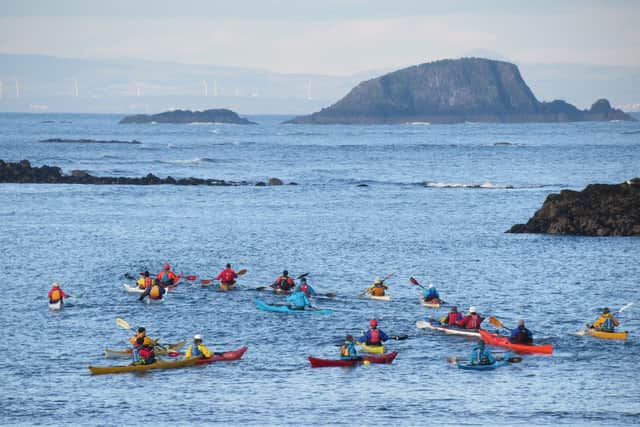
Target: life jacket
227, 276
146, 353
345, 350
474, 321
165, 277
523, 336
155, 292
452, 318
377, 291
145, 282
195, 351
305, 288
374, 337
56, 295
284, 283
608, 325
137, 358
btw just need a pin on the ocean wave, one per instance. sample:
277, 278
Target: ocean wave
484, 185
188, 161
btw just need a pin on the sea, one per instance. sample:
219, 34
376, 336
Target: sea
431, 202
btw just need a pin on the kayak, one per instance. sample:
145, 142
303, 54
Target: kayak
55, 305
225, 287
285, 309
160, 364
493, 339
152, 301
324, 363
376, 349
434, 303
160, 350
435, 325
606, 335
496, 364
132, 289
382, 298
224, 357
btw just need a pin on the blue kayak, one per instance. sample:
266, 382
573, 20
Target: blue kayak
285, 309
497, 364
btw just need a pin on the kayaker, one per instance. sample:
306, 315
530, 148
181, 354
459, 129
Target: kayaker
142, 354
142, 333
298, 301
452, 317
197, 349
521, 335
306, 288
154, 292
606, 322
167, 277
56, 294
430, 293
348, 349
378, 288
145, 281
227, 276
471, 320
284, 282
481, 356
374, 336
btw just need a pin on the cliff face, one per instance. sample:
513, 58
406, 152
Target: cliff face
452, 91
187, 116
598, 210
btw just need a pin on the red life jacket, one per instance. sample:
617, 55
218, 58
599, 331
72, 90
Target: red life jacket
285, 283
374, 335
227, 276
452, 318
474, 321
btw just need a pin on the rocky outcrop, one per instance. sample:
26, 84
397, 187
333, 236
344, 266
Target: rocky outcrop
598, 210
186, 116
88, 141
452, 91
23, 173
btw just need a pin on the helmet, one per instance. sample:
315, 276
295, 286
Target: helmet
377, 280
285, 273
304, 288
167, 266
430, 285
373, 323
605, 310
56, 285
197, 337
472, 309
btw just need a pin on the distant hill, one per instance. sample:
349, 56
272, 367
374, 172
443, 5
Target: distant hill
453, 91
221, 115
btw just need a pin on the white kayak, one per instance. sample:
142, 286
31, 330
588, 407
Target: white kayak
55, 305
382, 298
435, 326
430, 304
155, 301
132, 289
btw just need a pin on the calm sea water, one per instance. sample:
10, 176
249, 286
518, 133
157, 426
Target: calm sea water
438, 201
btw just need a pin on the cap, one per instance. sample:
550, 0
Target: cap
377, 280
373, 322
472, 309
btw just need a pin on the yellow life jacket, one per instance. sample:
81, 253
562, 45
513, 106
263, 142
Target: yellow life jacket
55, 295
155, 292
377, 291
344, 350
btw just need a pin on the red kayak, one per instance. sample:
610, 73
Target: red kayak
376, 358
226, 356
493, 339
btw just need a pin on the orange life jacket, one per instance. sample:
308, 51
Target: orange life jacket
378, 291
155, 292
55, 295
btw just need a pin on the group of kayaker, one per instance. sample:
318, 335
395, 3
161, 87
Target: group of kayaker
374, 337
143, 352
155, 287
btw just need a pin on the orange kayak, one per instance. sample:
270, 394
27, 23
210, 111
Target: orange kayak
493, 339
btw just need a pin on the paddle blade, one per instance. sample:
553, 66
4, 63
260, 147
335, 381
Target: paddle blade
453, 359
302, 275
515, 359
242, 272
414, 281
122, 323
623, 308
205, 281
388, 276
191, 278
495, 322
129, 276
401, 337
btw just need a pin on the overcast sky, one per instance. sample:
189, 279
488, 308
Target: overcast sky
324, 36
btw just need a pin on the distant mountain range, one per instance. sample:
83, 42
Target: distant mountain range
40, 83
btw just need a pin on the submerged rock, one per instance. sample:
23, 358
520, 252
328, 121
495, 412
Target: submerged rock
598, 210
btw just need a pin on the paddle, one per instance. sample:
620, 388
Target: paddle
366, 291
512, 359
415, 282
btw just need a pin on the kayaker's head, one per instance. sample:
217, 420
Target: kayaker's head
472, 310
167, 266
56, 285
454, 309
520, 323
141, 330
197, 338
285, 273
373, 323
480, 343
146, 274
303, 280
349, 338
430, 285
377, 281
605, 310
228, 265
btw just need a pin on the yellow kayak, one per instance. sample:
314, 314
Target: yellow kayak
607, 335
160, 364
376, 349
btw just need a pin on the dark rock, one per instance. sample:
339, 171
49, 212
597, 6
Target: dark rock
452, 91
79, 173
88, 141
598, 210
293, 183
274, 181
362, 185
187, 116
260, 184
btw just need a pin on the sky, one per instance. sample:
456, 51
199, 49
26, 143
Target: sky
334, 37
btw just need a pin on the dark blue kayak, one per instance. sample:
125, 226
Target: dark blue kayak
285, 309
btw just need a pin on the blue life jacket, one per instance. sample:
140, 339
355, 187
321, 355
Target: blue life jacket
165, 277
608, 325
195, 351
136, 356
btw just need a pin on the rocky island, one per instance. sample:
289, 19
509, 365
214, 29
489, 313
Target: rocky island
187, 116
598, 210
23, 173
453, 91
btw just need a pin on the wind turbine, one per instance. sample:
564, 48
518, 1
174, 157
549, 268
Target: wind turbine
0, 89
206, 88
75, 85
17, 89
309, 90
